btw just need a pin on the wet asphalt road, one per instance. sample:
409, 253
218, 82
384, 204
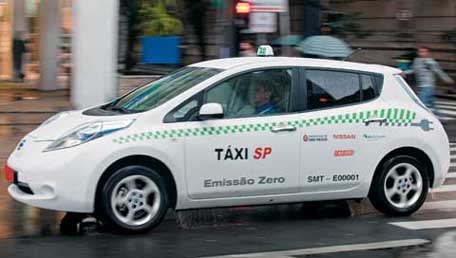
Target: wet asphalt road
31, 232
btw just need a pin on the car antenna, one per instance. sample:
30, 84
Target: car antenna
353, 53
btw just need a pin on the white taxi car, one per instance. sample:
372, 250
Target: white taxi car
239, 131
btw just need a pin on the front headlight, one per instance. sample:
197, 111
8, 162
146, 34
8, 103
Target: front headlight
86, 133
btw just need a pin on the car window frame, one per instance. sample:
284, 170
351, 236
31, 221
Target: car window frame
294, 97
304, 87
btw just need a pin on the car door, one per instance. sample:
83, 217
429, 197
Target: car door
254, 149
342, 130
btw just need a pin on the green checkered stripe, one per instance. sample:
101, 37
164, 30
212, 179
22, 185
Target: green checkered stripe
394, 117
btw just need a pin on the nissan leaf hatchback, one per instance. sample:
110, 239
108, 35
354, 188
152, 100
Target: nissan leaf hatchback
238, 131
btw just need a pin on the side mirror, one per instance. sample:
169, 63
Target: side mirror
210, 111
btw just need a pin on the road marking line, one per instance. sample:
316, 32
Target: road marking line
451, 175
426, 224
447, 112
447, 118
331, 249
449, 205
445, 107
451, 103
445, 188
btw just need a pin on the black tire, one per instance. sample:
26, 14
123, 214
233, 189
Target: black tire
377, 193
105, 210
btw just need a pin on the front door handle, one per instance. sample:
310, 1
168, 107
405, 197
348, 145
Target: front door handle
381, 121
283, 129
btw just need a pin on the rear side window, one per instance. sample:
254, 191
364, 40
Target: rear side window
331, 88
327, 88
371, 86
368, 87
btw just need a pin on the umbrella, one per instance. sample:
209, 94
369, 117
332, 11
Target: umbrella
288, 40
326, 46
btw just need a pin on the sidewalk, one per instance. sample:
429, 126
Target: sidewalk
16, 98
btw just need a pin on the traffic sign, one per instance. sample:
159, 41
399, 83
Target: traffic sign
270, 6
263, 22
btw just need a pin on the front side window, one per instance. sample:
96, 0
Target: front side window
256, 93
331, 88
162, 90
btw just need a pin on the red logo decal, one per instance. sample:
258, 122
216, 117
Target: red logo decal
344, 136
343, 153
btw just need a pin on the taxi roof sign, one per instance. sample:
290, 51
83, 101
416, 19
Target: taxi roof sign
265, 50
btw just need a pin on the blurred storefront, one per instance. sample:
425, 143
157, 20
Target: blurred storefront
5, 39
69, 45
29, 19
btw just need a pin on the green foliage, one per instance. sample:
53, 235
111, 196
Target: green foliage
154, 20
343, 24
449, 36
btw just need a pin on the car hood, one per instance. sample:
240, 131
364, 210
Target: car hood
67, 122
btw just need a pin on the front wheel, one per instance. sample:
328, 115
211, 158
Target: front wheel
133, 199
400, 187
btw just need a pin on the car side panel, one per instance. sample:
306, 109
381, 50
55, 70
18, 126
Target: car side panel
166, 147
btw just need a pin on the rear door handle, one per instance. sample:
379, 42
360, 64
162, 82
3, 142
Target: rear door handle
283, 129
375, 120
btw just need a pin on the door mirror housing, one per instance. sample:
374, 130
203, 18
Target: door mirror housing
210, 111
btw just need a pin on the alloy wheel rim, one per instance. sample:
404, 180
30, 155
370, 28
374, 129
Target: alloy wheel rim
403, 185
135, 200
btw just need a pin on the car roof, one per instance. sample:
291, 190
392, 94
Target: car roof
229, 63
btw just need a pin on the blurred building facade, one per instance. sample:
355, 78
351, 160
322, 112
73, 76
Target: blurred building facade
389, 29
384, 29
89, 40
70, 45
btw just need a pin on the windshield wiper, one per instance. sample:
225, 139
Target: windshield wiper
119, 109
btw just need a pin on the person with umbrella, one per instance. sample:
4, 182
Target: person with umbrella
325, 46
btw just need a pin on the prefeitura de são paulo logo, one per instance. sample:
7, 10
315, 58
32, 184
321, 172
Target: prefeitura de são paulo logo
315, 138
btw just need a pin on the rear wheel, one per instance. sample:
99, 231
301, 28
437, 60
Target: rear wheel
400, 187
133, 199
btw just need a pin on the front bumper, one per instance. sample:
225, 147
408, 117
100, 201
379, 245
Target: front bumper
57, 180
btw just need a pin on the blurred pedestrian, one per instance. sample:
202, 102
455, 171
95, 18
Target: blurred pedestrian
247, 49
425, 68
19, 50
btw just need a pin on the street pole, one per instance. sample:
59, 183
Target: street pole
229, 29
49, 42
95, 38
284, 20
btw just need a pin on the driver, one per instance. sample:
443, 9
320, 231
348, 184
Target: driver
263, 98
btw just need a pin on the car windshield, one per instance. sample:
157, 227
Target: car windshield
162, 90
